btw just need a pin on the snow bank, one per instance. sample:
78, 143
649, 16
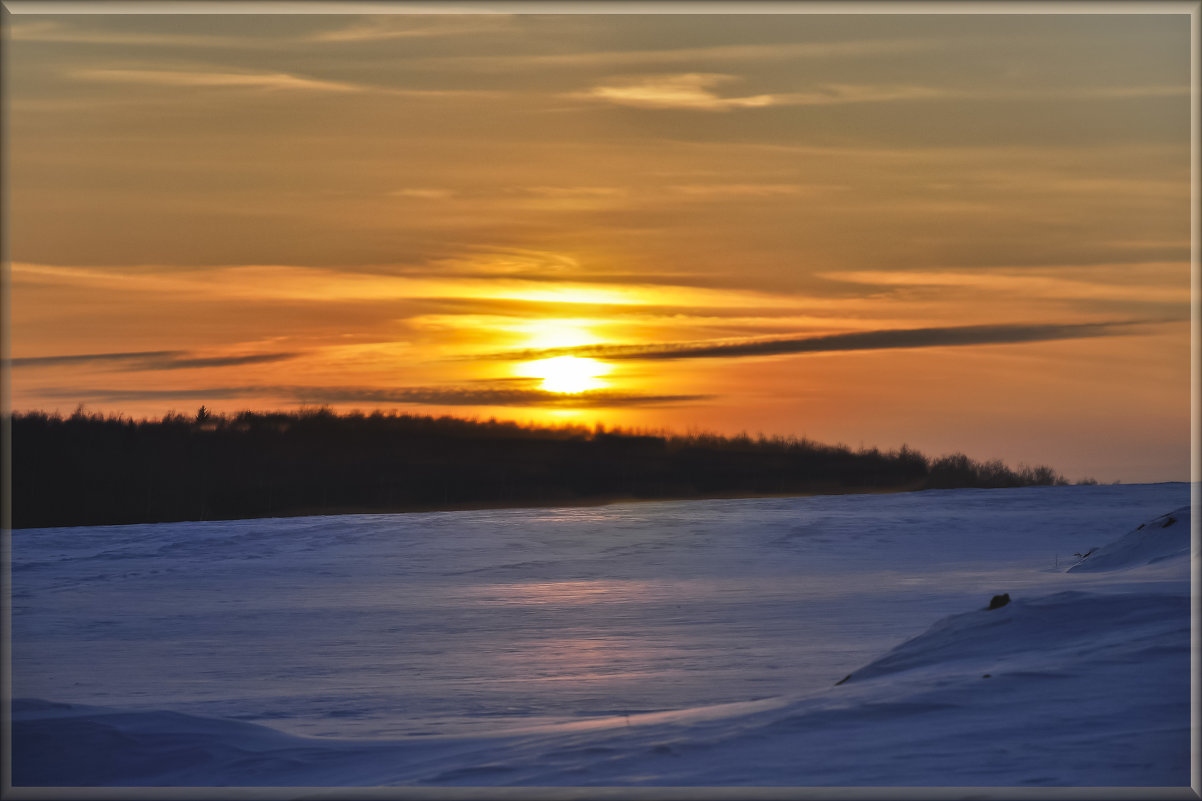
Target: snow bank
1063, 627
1164, 537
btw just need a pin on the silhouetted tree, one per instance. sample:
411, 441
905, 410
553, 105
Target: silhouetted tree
88, 469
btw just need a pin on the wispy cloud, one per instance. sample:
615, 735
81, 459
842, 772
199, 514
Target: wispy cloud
756, 53
839, 94
1099, 92
1094, 287
150, 360
728, 191
91, 358
420, 396
688, 91
367, 29
219, 361
858, 340
574, 191
695, 91
53, 31
486, 396
480, 278
250, 80
218, 78
412, 26
423, 193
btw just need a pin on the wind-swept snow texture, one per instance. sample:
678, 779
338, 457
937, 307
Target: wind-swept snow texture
828, 641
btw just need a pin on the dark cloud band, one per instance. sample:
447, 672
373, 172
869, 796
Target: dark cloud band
90, 358
150, 360
860, 340
472, 396
221, 361
423, 396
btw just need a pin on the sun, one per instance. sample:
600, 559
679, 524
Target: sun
569, 374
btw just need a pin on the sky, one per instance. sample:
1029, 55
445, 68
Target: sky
956, 231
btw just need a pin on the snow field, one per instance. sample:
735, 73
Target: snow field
678, 643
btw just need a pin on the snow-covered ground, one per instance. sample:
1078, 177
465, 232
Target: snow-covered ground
668, 643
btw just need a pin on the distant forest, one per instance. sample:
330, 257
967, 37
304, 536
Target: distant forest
88, 469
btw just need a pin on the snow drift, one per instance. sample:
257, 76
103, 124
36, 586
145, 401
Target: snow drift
1164, 537
1058, 629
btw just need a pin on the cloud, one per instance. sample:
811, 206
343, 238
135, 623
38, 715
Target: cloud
839, 94
688, 91
859, 340
474, 278
420, 396
150, 360
90, 358
1096, 285
52, 31
485, 396
410, 26
423, 194
219, 361
251, 80
726, 191
756, 53
574, 191
1089, 93
367, 29
693, 91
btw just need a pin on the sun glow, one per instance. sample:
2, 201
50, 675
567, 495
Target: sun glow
568, 374
553, 332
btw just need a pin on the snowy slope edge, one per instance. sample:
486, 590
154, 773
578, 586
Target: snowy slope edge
1164, 537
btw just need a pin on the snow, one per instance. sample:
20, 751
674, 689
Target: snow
1166, 537
668, 644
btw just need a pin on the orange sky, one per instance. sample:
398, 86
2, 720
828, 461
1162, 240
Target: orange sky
957, 231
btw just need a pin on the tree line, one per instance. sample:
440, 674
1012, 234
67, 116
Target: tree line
91, 469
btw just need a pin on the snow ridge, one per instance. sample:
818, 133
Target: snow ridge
1164, 537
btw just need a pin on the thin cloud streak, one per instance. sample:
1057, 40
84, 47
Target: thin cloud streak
48, 31
220, 361
151, 360
251, 80
377, 29
1025, 285
757, 53
692, 91
472, 396
859, 340
371, 29
419, 396
89, 358
267, 282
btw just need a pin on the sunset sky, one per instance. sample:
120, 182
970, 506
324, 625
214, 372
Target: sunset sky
962, 232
